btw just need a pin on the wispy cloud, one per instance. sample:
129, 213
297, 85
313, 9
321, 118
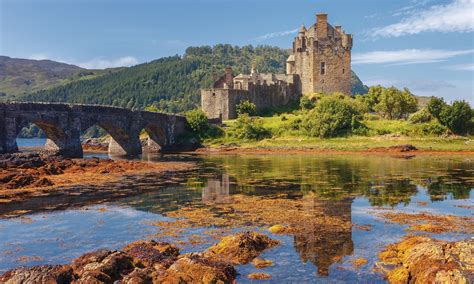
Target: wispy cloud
456, 16
461, 67
407, 56
276, 34
101, 63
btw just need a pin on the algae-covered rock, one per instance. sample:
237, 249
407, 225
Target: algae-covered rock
152, 253
426, 260
102, 266
198, 268
261, 263
48, 274
259, 276
241, 248
279, 229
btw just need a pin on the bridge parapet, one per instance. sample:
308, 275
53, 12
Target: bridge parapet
63, 123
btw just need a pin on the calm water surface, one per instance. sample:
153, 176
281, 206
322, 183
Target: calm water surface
348, 188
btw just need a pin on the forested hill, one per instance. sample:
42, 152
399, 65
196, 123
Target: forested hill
171, 83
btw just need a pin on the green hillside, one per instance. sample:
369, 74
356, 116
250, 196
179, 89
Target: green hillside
24, 76
171, 83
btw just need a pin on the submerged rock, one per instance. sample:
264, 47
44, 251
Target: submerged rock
261, 263
241, 248
426, 260
259, 276
199, 268
48, 274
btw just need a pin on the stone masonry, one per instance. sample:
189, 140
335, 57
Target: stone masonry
63, 123
320, 62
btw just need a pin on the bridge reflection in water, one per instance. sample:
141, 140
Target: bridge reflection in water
63, 123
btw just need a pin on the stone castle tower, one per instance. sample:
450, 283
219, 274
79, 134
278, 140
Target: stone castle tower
322, 58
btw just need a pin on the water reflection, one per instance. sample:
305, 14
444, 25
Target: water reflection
324, 243
217, 190
325, 197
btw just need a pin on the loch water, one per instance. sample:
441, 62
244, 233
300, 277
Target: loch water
347, 188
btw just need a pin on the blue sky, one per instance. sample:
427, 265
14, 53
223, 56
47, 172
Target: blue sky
425, 45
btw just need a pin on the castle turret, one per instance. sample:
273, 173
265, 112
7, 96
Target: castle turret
322, 58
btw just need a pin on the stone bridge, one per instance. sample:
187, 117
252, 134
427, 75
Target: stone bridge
63, 124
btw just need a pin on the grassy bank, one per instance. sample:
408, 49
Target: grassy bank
381, 133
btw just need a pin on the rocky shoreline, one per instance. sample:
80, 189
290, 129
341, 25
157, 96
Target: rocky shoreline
151, 262
31, 181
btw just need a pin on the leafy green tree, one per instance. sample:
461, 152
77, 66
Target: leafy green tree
332, 116
456, 117
436, 106
395, 104
246, 107
373, 96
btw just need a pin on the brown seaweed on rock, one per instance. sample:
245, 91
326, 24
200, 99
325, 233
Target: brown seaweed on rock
425, 260
151, 262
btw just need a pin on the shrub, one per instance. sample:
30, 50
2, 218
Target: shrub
432, 128
246, 107
456, 117
246, 127
421, 116
306, 103
197, 119
331, 117
396, 104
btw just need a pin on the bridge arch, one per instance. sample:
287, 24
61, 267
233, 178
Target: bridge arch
63, 124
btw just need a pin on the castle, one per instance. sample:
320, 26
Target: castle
320, 62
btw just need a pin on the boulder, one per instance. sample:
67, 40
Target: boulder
425, 260
241, 248
47, 274
102, 266
152, 254
199, 268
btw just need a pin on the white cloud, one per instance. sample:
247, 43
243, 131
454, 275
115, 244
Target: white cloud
407, 56
457, 16
100, 63
275, 34
462, 67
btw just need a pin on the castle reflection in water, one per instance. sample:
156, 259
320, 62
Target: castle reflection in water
324, 240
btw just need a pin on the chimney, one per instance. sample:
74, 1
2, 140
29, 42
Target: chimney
338, 29
321, 25
228, 77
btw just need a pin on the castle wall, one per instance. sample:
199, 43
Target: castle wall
221, 103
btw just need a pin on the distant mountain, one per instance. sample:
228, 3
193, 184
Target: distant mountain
24, 76
357, 86
172, 83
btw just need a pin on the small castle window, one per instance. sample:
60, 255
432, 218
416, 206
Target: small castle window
323, 68
343, 70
